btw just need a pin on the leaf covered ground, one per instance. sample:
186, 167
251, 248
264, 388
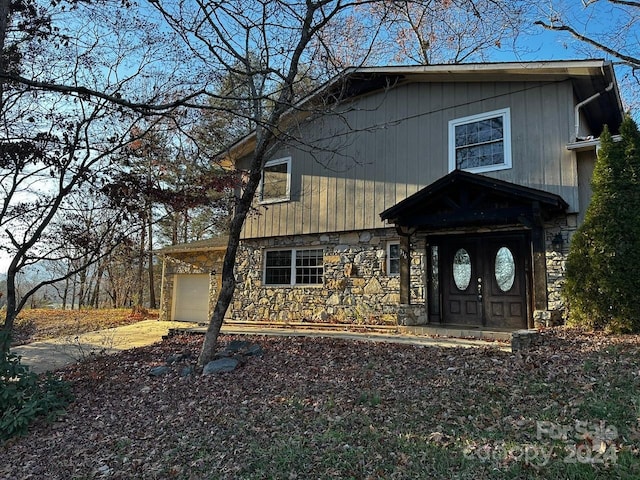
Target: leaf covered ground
327, 408
33, 325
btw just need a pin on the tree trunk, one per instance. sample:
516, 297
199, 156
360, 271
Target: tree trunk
65, 293
5, 8
185, 227
11, 313
73, 292
224, 300
95, 297
152, 288
174, 229
228, 287
81, 292
7, 325
141, 261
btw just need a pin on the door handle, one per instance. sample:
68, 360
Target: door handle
479, 289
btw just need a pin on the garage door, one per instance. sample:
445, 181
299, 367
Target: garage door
191, 298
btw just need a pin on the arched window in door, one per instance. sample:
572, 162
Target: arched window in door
462, 269
505, 269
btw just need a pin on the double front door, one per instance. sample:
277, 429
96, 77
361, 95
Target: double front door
483, 280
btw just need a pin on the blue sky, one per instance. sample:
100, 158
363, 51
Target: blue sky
616, 26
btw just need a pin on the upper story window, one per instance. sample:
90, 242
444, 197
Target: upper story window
480, 143
276, 181
393, 258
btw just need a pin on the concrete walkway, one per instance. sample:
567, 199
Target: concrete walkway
56, 353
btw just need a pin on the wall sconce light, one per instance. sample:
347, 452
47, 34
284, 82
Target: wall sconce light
558, 242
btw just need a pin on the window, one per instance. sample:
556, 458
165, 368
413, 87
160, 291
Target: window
480, 143
294, 267
276, 181
462, 269
393, 258
277, 270
505, 269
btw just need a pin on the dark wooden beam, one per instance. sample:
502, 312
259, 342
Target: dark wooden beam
478, 200
451, 202
466, 217
537, 214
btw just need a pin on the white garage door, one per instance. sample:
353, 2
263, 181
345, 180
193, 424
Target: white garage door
191, 298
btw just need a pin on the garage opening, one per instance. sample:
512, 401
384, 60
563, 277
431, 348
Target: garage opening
191, 298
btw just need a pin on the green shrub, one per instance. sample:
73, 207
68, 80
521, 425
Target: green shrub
603, 267
24, 396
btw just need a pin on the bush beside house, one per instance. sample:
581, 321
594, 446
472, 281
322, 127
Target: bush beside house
603, 267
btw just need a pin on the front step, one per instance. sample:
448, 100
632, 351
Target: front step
340, 327
457, 332
428, 331
296, 326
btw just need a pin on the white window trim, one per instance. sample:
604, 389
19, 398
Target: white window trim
389, 244
270, 163
505, 113
293, 283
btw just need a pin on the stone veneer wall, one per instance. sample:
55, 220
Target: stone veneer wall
356, 286
209, 262
556, 260
356, 289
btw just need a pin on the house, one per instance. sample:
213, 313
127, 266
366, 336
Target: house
427, 195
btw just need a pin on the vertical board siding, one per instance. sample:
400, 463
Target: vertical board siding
585, 166
399, 144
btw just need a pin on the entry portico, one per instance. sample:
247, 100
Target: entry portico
485, 241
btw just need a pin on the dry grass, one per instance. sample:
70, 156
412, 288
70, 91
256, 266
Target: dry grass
33, 325
318, 408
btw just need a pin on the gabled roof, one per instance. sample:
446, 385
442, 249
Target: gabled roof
588, 78
463, 198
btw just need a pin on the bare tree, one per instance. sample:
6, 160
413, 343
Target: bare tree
446, 31
55, 141
610, 26
119, 277
265, 44
87, 229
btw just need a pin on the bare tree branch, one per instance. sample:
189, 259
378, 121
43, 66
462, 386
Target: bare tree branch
146, 108
630, 60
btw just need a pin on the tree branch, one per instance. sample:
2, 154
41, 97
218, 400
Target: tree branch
632, 61
144, 108
628, 3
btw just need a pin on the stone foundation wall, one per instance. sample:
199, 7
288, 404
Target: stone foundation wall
356, 289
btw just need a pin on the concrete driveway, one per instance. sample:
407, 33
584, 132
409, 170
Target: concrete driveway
56, 353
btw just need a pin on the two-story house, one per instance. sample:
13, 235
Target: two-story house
427, 195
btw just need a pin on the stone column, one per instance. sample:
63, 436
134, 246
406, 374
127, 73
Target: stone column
405, 270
